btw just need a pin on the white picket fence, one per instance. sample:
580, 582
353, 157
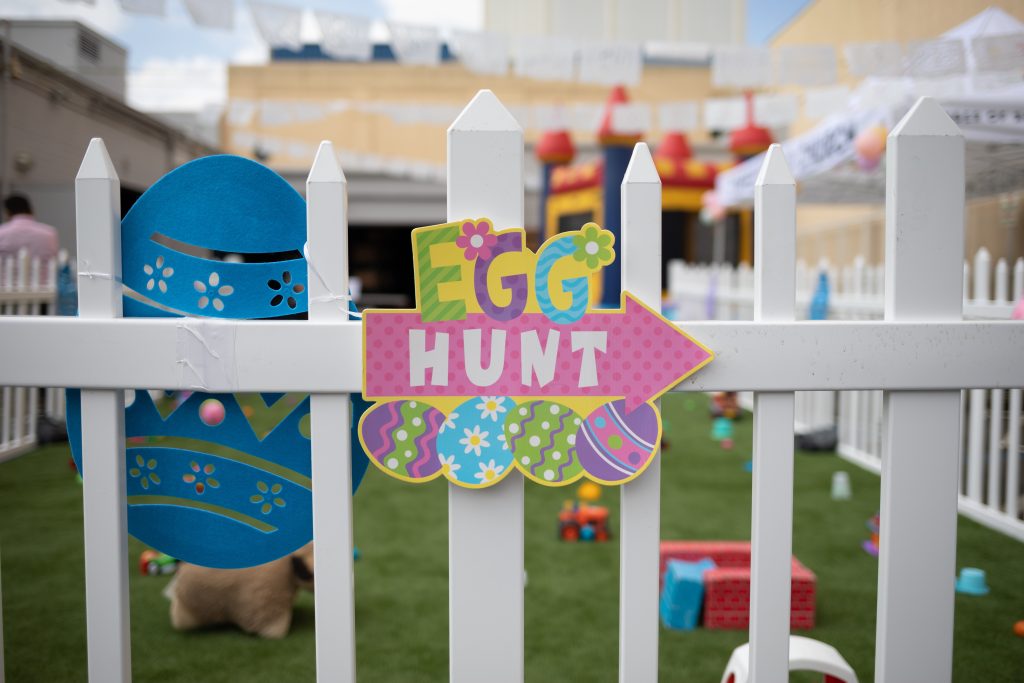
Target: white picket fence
922, 353
990, 476
28, 286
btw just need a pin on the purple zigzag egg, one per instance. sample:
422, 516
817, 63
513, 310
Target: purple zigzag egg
401, 436
614, 445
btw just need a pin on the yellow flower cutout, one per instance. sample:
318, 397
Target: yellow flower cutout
594, 246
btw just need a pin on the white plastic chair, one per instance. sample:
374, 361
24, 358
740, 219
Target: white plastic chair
805, 654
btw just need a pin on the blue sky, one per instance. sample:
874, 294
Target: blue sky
765, 17
175, 64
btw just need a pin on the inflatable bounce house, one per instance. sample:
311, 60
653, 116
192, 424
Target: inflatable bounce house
573, 194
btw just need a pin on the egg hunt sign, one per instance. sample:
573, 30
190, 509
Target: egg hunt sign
504, 364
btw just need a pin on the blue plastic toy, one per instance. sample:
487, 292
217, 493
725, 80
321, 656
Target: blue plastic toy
819, 301
682, 595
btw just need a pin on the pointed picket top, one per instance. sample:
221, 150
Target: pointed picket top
774, 169
485, 112
926, 117
96, 164
641, 168
326, 168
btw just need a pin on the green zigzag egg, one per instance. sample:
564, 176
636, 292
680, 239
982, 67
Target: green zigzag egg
542, 437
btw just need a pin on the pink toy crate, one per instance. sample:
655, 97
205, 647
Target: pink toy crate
727, 588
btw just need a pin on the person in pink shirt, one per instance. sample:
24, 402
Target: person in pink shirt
22, 230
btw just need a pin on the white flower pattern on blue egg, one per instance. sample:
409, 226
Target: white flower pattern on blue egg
472, 448
158, 275
491, 407
475, 440
213, 293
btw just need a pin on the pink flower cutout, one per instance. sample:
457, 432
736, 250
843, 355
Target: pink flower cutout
476, 240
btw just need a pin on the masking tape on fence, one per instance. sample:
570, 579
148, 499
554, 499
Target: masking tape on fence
206, 354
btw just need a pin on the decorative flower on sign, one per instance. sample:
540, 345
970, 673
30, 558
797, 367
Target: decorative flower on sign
157, 273
475, 440
488, 471
200, 476
213, 292
490, 407
266, 496
449, 466
476, 240
594, 246
145, 472
286, 290
449, 422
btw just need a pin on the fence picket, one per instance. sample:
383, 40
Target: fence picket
641, 498
97, 210
1018, 279
995, 437
772, 520
330, 424
485, 537
923, 254
1012, 482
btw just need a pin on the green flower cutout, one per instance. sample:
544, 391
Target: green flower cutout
266, 496
144, 472
594, 246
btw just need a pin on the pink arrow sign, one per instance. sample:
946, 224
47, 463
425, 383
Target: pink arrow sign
633, 353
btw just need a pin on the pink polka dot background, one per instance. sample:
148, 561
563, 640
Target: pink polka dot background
644, 354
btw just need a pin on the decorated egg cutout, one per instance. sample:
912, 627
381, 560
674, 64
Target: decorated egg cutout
201, 486
542, 436
614, 445
471, 444
401, 438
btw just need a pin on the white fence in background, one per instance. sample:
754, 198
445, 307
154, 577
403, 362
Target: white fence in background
990, 475
28, 286
921, 354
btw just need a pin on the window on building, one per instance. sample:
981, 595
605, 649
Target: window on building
88, 48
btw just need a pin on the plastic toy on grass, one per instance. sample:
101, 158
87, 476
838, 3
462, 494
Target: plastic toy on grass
722, 431
870, 546
589, 492
972, 582
725, 404
153, 563
805, 654
682, 593
584, 522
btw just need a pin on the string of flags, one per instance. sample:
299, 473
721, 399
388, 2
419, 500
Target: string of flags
569, 58
726, 113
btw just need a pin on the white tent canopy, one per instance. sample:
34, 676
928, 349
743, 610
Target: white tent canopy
986, 100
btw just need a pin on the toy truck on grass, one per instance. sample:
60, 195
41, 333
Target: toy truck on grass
582, 522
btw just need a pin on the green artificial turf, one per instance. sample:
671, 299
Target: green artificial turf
571, 597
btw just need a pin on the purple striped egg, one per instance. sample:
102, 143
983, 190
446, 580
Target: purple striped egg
401, 438
614, 445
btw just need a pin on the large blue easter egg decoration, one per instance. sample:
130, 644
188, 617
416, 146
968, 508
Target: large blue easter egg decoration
202, 486
471, 445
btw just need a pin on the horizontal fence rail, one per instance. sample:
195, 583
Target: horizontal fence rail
236, 355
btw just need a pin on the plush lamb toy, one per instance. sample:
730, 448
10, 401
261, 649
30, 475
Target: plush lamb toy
258, 599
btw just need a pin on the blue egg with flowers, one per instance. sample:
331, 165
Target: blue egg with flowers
217, 492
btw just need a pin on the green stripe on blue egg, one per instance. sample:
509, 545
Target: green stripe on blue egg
471, 445
400, 437
542, 436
